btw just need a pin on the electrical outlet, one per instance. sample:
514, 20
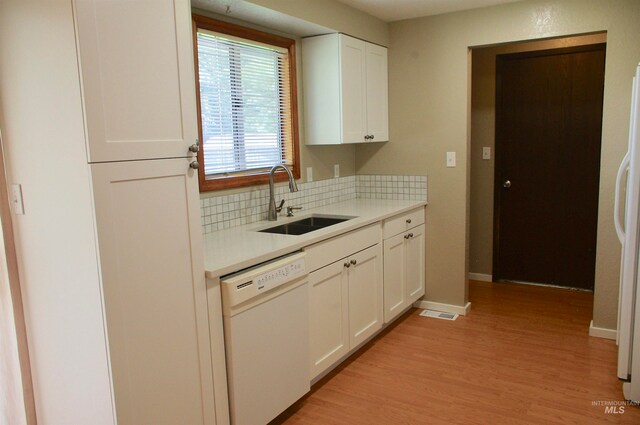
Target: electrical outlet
336, 171
486, 152
451, 159
309, 174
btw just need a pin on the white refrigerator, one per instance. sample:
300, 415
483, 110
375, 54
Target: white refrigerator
628, 227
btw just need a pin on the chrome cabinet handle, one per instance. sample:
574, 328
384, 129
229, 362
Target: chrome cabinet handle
194, 148
506, 184
354, 262
194, 165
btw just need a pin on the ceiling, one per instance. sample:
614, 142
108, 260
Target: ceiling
395, 10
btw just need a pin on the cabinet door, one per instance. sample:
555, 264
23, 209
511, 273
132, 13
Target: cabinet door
414, 264
153, 285
353, 89
138, 83
395, 299
328, 317
377, 93
365, 294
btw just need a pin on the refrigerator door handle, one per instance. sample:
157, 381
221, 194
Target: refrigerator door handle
624, 167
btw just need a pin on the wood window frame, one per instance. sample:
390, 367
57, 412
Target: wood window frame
257, 177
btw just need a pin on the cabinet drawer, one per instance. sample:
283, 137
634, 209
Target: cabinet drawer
326, 252
398, 224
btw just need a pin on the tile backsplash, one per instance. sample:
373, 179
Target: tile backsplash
225, 211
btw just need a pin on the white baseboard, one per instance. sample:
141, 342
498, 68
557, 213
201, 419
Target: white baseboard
480, 276
446, 308
602, 332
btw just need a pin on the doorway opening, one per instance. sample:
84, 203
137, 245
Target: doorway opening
557, 164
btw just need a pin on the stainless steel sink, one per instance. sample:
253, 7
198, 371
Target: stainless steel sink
305, 225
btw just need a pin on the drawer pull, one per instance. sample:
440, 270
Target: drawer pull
347, 265
354, 262
408, 221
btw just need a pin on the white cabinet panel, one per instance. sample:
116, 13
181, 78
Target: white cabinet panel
365, 295
137, 78
395, 300
377, 93
354, 86
404, 262
328, 317
154, 291
414, 264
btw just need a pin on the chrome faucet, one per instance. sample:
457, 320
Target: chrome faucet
293, 187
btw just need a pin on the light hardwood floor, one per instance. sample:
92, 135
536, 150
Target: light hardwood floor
522, 356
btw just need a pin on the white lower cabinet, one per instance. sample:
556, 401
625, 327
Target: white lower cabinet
345, 306
365, 294
404, 264
328, 317
155, 302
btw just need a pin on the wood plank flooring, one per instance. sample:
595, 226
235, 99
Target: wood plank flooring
522, 356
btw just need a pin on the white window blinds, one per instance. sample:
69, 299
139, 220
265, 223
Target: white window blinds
245, 104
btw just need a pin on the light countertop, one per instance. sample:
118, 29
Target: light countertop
234, 249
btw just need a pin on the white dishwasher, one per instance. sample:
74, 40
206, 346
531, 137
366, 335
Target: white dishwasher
266, 332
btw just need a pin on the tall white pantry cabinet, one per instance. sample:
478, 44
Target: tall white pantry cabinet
98, 117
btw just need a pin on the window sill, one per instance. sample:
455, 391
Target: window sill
222, 183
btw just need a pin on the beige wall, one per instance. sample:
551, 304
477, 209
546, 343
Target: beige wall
332, 14
428, 87
483, 89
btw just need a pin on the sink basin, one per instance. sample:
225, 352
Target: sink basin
305, 225
320, 221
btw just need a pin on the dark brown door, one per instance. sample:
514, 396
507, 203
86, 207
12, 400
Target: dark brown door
548, 131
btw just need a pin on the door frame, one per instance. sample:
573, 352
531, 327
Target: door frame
499, 159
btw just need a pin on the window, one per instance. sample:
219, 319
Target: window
247, 109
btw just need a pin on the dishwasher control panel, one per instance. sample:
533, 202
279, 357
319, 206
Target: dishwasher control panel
275, 277
242, 286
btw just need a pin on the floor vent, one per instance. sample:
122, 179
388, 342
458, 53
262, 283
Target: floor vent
439, 315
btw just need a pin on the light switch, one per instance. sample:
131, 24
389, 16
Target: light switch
16, 199
486, 152
336, 171
309, 174
451, 159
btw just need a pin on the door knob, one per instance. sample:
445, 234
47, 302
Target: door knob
506, 184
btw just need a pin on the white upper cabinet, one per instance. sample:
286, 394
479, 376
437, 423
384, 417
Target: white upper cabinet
138, 83
345, 90
377, 93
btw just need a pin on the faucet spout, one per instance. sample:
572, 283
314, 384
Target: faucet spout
293, 187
